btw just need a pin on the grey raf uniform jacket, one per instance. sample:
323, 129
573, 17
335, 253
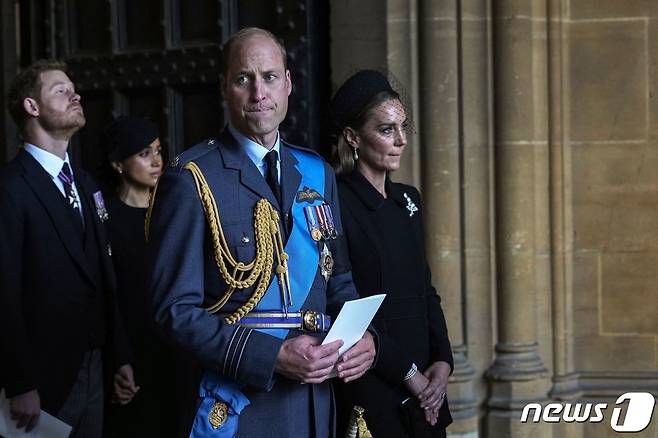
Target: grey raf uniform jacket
185, 279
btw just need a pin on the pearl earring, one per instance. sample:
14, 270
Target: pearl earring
355, 153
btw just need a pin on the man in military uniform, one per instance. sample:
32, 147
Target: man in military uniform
248, 264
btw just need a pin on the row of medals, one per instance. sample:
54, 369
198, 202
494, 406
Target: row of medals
321, 226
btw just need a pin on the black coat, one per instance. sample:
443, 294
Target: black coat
56, 284
387, 252
152, 412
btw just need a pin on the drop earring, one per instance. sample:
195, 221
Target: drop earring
355, 153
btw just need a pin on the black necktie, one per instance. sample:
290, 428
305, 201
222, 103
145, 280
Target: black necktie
66, 177
272, 175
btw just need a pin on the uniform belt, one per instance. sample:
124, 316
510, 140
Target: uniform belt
305, 320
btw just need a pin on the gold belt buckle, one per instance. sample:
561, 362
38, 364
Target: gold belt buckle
311, 320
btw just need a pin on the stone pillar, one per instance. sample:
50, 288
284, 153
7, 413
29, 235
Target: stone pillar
477, 193
565, 386
440, 137
358, 30
402, 62
521, 120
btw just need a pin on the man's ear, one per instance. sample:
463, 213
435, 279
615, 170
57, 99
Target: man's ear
288, 82
31, 106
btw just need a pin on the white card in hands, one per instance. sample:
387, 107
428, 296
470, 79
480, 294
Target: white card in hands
353, 320
47, 427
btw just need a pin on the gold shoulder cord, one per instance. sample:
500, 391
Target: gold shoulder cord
268, 236
147, 220
357, 427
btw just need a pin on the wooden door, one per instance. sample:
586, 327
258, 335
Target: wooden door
161, 59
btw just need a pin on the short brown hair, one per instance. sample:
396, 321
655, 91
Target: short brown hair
243, 34
26, 84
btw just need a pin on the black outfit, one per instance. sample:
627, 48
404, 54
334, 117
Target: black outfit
387, 253
57, 285
151, 412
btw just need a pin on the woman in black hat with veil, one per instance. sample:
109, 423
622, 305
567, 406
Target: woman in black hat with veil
404, 395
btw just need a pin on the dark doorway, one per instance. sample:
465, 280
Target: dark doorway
161, 59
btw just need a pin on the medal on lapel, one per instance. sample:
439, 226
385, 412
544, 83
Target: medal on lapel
312, 223
326, 262
100, 206
320, 221
324, 223
330, 221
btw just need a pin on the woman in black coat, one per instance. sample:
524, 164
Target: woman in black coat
134, 153
405, 393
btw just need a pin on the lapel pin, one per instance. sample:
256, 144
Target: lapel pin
410, 205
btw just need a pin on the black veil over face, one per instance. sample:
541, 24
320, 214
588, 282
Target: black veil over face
360, 93
355, 102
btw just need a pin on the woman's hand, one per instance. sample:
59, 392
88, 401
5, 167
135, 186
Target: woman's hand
433, 395
417, 384
124, 385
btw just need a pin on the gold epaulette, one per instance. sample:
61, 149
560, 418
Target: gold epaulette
236, 274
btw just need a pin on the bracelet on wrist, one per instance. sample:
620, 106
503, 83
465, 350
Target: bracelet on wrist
412, 372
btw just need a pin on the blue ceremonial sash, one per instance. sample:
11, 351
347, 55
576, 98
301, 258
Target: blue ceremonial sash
301, 248
213, 390
302, 267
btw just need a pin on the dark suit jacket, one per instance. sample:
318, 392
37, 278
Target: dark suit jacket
54, 279
387, 253
185, 279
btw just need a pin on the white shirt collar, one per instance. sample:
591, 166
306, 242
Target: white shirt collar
49, 161
255, 151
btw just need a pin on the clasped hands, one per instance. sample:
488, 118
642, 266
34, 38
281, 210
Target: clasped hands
25, 408
430, 389
124, 385
303, 359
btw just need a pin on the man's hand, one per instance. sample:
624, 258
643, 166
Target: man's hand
25, 409
432, 397
357, 360
124, 385
304, 359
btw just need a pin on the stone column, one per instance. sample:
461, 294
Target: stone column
358, 30
402, 62
521, 121
477, 190
565, 385
440, 135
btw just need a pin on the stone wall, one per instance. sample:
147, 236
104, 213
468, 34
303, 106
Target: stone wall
535, 145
